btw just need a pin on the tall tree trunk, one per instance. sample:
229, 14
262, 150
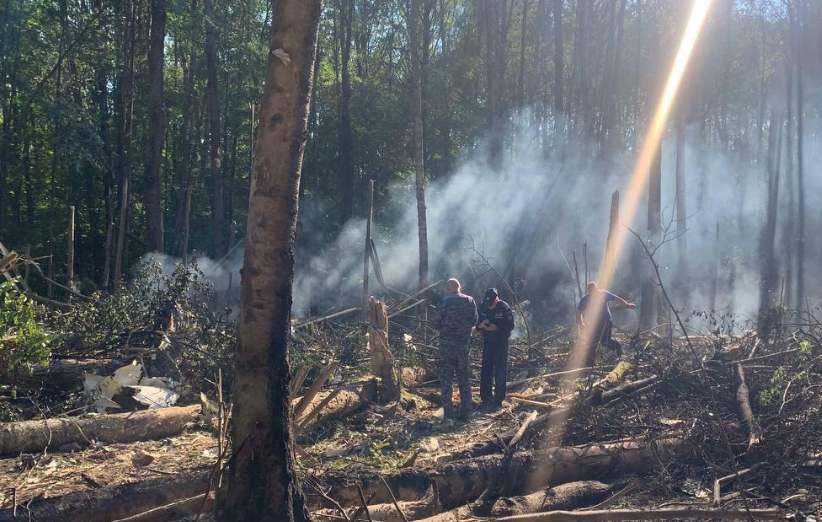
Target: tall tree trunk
346, 131
523, 34
262, 477
419, 149
612, 96
217, 189
799, 25
650, 291
606, 89
124, 127
681, 200
497, 21
152, 197
768, 283
108, 176
788, 228
638, 75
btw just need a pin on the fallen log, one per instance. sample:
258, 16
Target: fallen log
464, 481
111, 503
61, 375
52, 434
616, 515
336, 404
743, 400
565, 496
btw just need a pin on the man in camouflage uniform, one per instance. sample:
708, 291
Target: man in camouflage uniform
455, 317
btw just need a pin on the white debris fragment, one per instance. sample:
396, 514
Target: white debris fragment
159, 382
129, 375
154, 397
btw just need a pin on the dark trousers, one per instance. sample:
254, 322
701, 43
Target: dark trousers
455, 361
494, 368
603, 335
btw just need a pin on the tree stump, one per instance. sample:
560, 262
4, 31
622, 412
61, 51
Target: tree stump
382, 361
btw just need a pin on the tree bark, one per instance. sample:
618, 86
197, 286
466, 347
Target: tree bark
650, 290
152, 197
522, 42
262, 478
565, 496
34, 436
346, 131
799, 27
768, 284
618, 515
559, 61
112, 502
419, 149
382, 361
189, 133
124, 128
681, 194
217, 189
60, 376
743, 401
462, 482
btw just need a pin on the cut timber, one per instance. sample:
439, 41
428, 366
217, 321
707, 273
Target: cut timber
34, 436
305, 400
382, 361
743, 399
61, 375
565, 496
112, 503
461, 482
616, 515
336, 404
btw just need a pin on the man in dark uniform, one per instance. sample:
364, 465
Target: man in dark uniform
455, 317
593, 313
496, 322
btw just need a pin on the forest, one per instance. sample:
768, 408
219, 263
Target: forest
226, 228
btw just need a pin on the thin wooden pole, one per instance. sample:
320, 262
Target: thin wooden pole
50, 292
121, 232
70, 270
28, 260
228, 293
367, 251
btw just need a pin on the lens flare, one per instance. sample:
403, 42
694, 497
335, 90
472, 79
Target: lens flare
585, 341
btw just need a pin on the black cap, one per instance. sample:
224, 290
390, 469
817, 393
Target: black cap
491, 294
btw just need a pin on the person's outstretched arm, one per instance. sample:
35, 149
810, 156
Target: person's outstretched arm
622, 301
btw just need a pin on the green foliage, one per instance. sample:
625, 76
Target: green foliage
24, 341
105, 323
776, 386
166, 313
